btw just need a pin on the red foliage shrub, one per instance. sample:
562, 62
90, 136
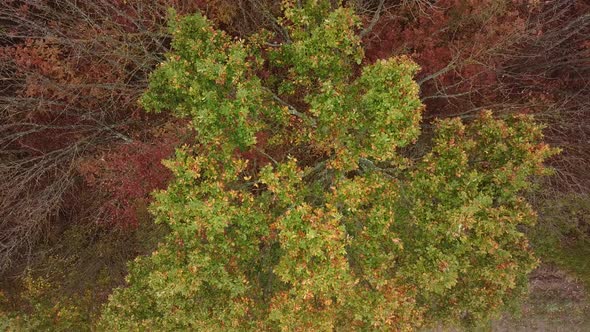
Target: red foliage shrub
127, 175
454, 42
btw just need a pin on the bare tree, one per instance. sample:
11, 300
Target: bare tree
71, 73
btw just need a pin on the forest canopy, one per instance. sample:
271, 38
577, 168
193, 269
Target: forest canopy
309, 199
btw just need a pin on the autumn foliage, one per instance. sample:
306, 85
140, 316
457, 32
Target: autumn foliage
513, 56
257, 112
72, 73
349, 229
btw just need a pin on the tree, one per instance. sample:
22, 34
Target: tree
302, 205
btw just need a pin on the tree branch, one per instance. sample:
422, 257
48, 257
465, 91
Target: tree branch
292, 110
374, 20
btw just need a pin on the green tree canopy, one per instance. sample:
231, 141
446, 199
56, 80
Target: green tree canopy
301, 206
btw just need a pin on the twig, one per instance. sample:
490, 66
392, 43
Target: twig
374, 20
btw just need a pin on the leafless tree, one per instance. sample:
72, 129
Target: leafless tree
71, 73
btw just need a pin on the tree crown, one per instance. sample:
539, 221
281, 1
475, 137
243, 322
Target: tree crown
301, 205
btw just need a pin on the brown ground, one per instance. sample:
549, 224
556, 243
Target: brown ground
557, 302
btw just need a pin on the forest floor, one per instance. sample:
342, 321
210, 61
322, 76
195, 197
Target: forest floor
557, 302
